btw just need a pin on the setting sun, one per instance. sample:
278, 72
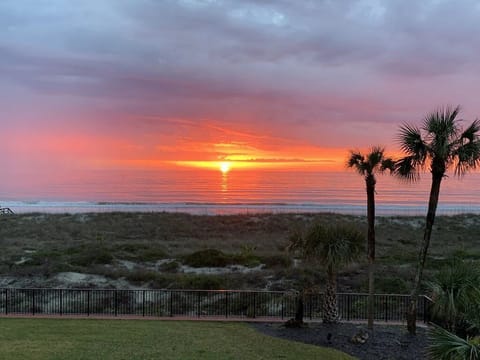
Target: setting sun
225, 167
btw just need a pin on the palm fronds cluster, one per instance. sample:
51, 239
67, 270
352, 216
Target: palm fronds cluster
455, 292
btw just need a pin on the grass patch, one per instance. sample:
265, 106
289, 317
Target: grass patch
207, 258
130, 339
217, 258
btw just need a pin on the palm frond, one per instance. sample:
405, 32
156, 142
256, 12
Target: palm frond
442, 122
296, 240
388, 164
356, 161
455, 291
407, 169
443, 130
445, 345
467, 157
471, 133
411, 142
373, 161
334, 245
375, 156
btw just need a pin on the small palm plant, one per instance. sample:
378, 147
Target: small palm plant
455, 293
439, 144
448, 346
368, 166
332, 247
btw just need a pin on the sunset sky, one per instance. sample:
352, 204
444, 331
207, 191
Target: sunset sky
148, 84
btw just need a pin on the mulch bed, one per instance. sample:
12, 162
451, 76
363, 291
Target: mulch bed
386, 342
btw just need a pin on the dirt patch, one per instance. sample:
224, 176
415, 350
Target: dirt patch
385, 343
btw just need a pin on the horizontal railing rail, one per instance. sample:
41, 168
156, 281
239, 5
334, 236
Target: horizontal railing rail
222, 304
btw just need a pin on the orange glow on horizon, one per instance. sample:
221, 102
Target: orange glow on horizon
207, 147
226, 166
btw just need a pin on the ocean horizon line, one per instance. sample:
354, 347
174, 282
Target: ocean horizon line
212, 208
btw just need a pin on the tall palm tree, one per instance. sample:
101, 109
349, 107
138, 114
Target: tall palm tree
368, 166
333, 247
439, 144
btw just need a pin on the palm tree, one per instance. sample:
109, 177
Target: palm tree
333, 247
440, 143
368, 166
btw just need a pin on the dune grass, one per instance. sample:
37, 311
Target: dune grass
135, 339
36, 247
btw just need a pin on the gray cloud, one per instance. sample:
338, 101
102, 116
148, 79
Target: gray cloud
306, 62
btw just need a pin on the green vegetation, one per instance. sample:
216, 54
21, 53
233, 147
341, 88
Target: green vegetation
456, 295
35, 247
129, 339
217, 258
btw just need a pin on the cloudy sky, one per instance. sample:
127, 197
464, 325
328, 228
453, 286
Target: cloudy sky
138, 83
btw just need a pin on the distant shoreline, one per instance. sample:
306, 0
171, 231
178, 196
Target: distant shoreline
197, 208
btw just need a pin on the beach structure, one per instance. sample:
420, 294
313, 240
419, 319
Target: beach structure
6, 211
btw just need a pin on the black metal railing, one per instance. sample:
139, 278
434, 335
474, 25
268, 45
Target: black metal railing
222, 304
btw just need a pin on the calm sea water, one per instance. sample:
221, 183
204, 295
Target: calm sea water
239, 191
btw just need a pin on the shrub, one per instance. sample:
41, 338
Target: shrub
207, 258
201, 282
95, 256
171, 266
152, 254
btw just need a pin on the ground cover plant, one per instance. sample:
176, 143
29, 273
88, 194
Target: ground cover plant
130, 339
456, 294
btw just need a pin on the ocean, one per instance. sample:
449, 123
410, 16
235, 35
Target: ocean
211, 192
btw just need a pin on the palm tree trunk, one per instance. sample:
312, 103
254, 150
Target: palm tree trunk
370, 180
432, 209
330, 308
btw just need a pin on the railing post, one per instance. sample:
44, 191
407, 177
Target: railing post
88, 302
282, 306
349, 307
386, 308
226, 304
6, 301
143, 303
115, 301
171, 303
61, 302
310, 307
254, 305
33, 302
198, 303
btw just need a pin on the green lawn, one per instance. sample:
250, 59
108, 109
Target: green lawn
135, 339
